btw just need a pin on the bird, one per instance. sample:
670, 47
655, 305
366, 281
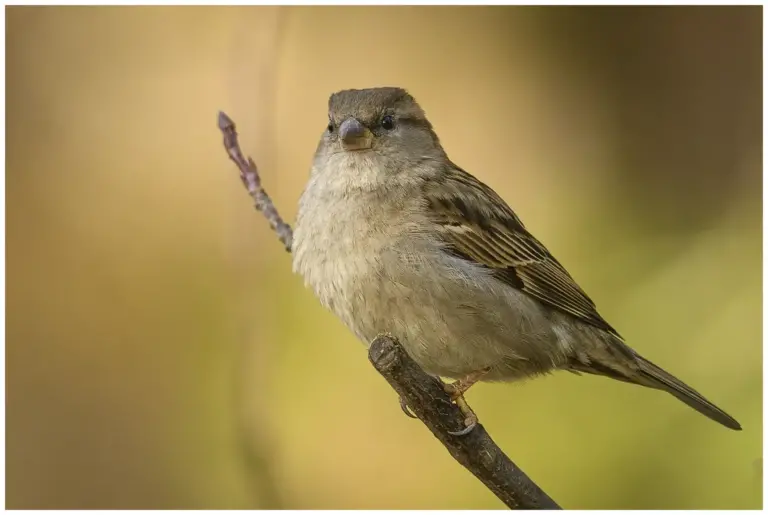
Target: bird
394, 238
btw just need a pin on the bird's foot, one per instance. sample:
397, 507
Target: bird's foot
470, 418
456, 390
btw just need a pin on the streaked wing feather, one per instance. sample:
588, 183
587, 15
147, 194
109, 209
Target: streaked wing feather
490, 234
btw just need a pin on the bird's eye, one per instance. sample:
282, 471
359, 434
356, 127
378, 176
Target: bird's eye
330, 126
388, 123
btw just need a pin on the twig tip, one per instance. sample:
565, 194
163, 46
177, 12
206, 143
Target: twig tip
225, 122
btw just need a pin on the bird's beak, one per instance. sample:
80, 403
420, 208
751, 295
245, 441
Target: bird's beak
354, 135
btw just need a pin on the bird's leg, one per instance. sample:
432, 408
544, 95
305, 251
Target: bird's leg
456, 390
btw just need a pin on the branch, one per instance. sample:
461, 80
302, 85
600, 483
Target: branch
426, 397
423, 394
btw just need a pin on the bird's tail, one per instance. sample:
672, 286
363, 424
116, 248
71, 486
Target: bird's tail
652, 376
655, 377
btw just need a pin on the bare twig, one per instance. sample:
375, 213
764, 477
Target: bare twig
249, 174
423, 394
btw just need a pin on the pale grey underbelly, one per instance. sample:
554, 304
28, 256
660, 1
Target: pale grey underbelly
452, 318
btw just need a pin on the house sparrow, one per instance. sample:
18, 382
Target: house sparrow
395, 238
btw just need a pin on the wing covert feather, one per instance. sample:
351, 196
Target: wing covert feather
491, 234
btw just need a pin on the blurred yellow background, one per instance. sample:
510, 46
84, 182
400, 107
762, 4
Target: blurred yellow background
160, 354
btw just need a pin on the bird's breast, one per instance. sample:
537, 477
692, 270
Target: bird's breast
341, 243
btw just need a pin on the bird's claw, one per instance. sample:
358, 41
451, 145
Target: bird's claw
406, 409
470, 427
470, 420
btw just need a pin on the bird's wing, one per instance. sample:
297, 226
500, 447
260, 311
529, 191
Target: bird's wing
491, 235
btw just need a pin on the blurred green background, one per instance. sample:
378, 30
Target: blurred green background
160, 353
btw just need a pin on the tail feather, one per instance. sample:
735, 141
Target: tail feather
655, 377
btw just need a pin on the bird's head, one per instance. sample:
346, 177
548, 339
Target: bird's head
378, 131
